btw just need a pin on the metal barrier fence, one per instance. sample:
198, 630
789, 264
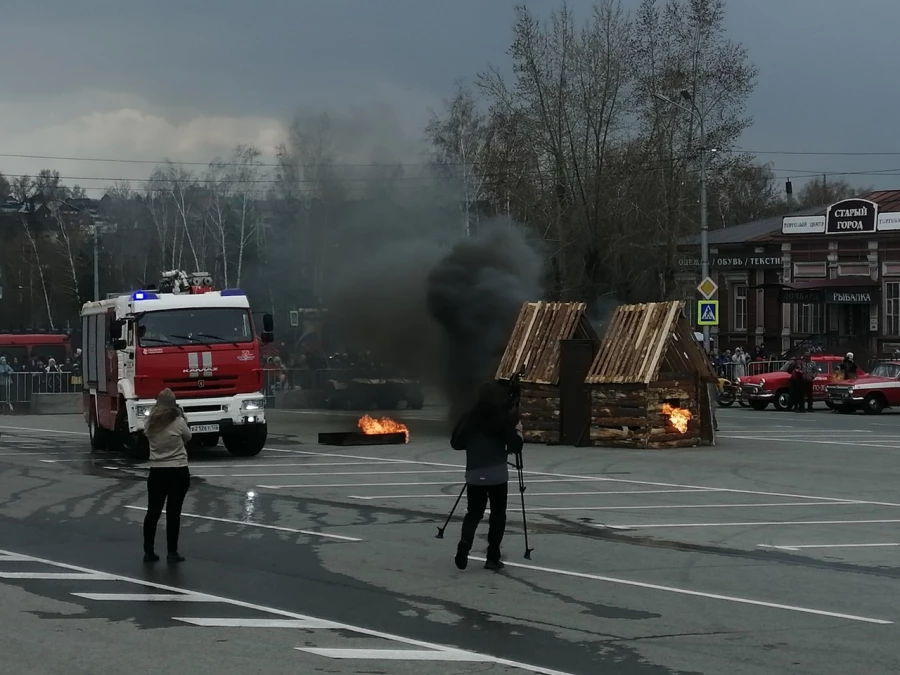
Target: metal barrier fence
18, 389
734, 370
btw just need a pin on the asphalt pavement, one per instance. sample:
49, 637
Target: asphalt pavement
774, 552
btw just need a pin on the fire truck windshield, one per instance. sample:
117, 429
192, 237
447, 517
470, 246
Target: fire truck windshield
217, 325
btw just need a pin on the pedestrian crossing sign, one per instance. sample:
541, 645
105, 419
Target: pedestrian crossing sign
707, 312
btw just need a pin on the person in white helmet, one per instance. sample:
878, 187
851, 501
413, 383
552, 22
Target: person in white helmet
848, 365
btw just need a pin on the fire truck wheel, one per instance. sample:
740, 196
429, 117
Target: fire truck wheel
246, 442
874, 404
136, 445
99, 436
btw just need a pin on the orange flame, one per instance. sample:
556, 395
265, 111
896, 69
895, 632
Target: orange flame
370, 426
678, 417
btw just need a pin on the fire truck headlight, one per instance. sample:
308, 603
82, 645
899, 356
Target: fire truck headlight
254, 404
143, 410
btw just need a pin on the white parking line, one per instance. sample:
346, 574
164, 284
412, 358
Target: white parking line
28, 453
263, 465
537, 494
757, 524
397, 654
260, 525
51, 576
457, 483
146, 597
48, 431
856, 444
307, 624
798, 547
627, 481
292, 615
685, 506
699, 594
540, 473
320, 473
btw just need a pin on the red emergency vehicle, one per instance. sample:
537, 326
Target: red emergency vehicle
760, 390
197, 341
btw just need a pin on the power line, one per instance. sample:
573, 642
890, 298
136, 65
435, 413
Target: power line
824, 153
163, 162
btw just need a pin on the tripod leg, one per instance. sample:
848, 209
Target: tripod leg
519, 467
440, 534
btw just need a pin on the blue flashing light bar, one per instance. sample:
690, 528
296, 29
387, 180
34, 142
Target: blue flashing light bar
232, 291
144, 295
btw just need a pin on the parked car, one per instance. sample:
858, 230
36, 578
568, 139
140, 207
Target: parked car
761, 390
870, 393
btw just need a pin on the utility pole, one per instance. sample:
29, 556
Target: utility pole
704, 216
96, 261
704, 211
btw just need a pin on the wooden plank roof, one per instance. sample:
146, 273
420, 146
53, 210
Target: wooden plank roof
533, 348
642, 339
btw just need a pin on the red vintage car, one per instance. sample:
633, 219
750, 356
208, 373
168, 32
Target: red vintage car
870, 393
761, 390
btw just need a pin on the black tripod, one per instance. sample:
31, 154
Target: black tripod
519, 469
440, 534
518, 465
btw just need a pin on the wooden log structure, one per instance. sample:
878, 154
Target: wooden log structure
539, 411
649, 359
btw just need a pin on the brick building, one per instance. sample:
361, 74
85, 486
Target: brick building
827, 277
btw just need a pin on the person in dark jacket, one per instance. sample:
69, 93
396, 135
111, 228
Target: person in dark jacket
849, 367
488, 433
810, 372
797, 386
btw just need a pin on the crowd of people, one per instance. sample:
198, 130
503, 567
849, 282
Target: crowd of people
736, 364
19, 379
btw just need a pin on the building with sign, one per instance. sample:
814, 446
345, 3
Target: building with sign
827, 277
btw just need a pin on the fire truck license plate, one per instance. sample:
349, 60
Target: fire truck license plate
204, 428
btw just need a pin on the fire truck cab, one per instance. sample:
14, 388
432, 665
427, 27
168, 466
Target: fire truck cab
185, 336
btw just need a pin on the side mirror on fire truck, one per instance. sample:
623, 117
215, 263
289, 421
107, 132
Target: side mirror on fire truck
268, 334
119, 345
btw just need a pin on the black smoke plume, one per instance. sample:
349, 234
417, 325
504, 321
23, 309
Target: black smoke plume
442, 315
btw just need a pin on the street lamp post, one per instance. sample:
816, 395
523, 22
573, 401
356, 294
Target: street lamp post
704, 216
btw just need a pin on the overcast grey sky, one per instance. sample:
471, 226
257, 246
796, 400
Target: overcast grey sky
187, 79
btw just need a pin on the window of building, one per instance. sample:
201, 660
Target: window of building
892, 308
740, 307
834, 319
809, 319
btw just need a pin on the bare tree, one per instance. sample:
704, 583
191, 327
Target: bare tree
827, 191
460, 137
40, 269
65, 240
245, 175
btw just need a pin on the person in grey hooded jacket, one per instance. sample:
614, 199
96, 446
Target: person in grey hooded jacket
488, 433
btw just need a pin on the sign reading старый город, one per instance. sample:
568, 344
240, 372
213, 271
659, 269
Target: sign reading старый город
760, 260
851, 216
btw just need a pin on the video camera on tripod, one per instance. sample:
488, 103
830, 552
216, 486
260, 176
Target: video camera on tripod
514, 389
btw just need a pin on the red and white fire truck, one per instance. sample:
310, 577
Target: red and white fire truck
184, 335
